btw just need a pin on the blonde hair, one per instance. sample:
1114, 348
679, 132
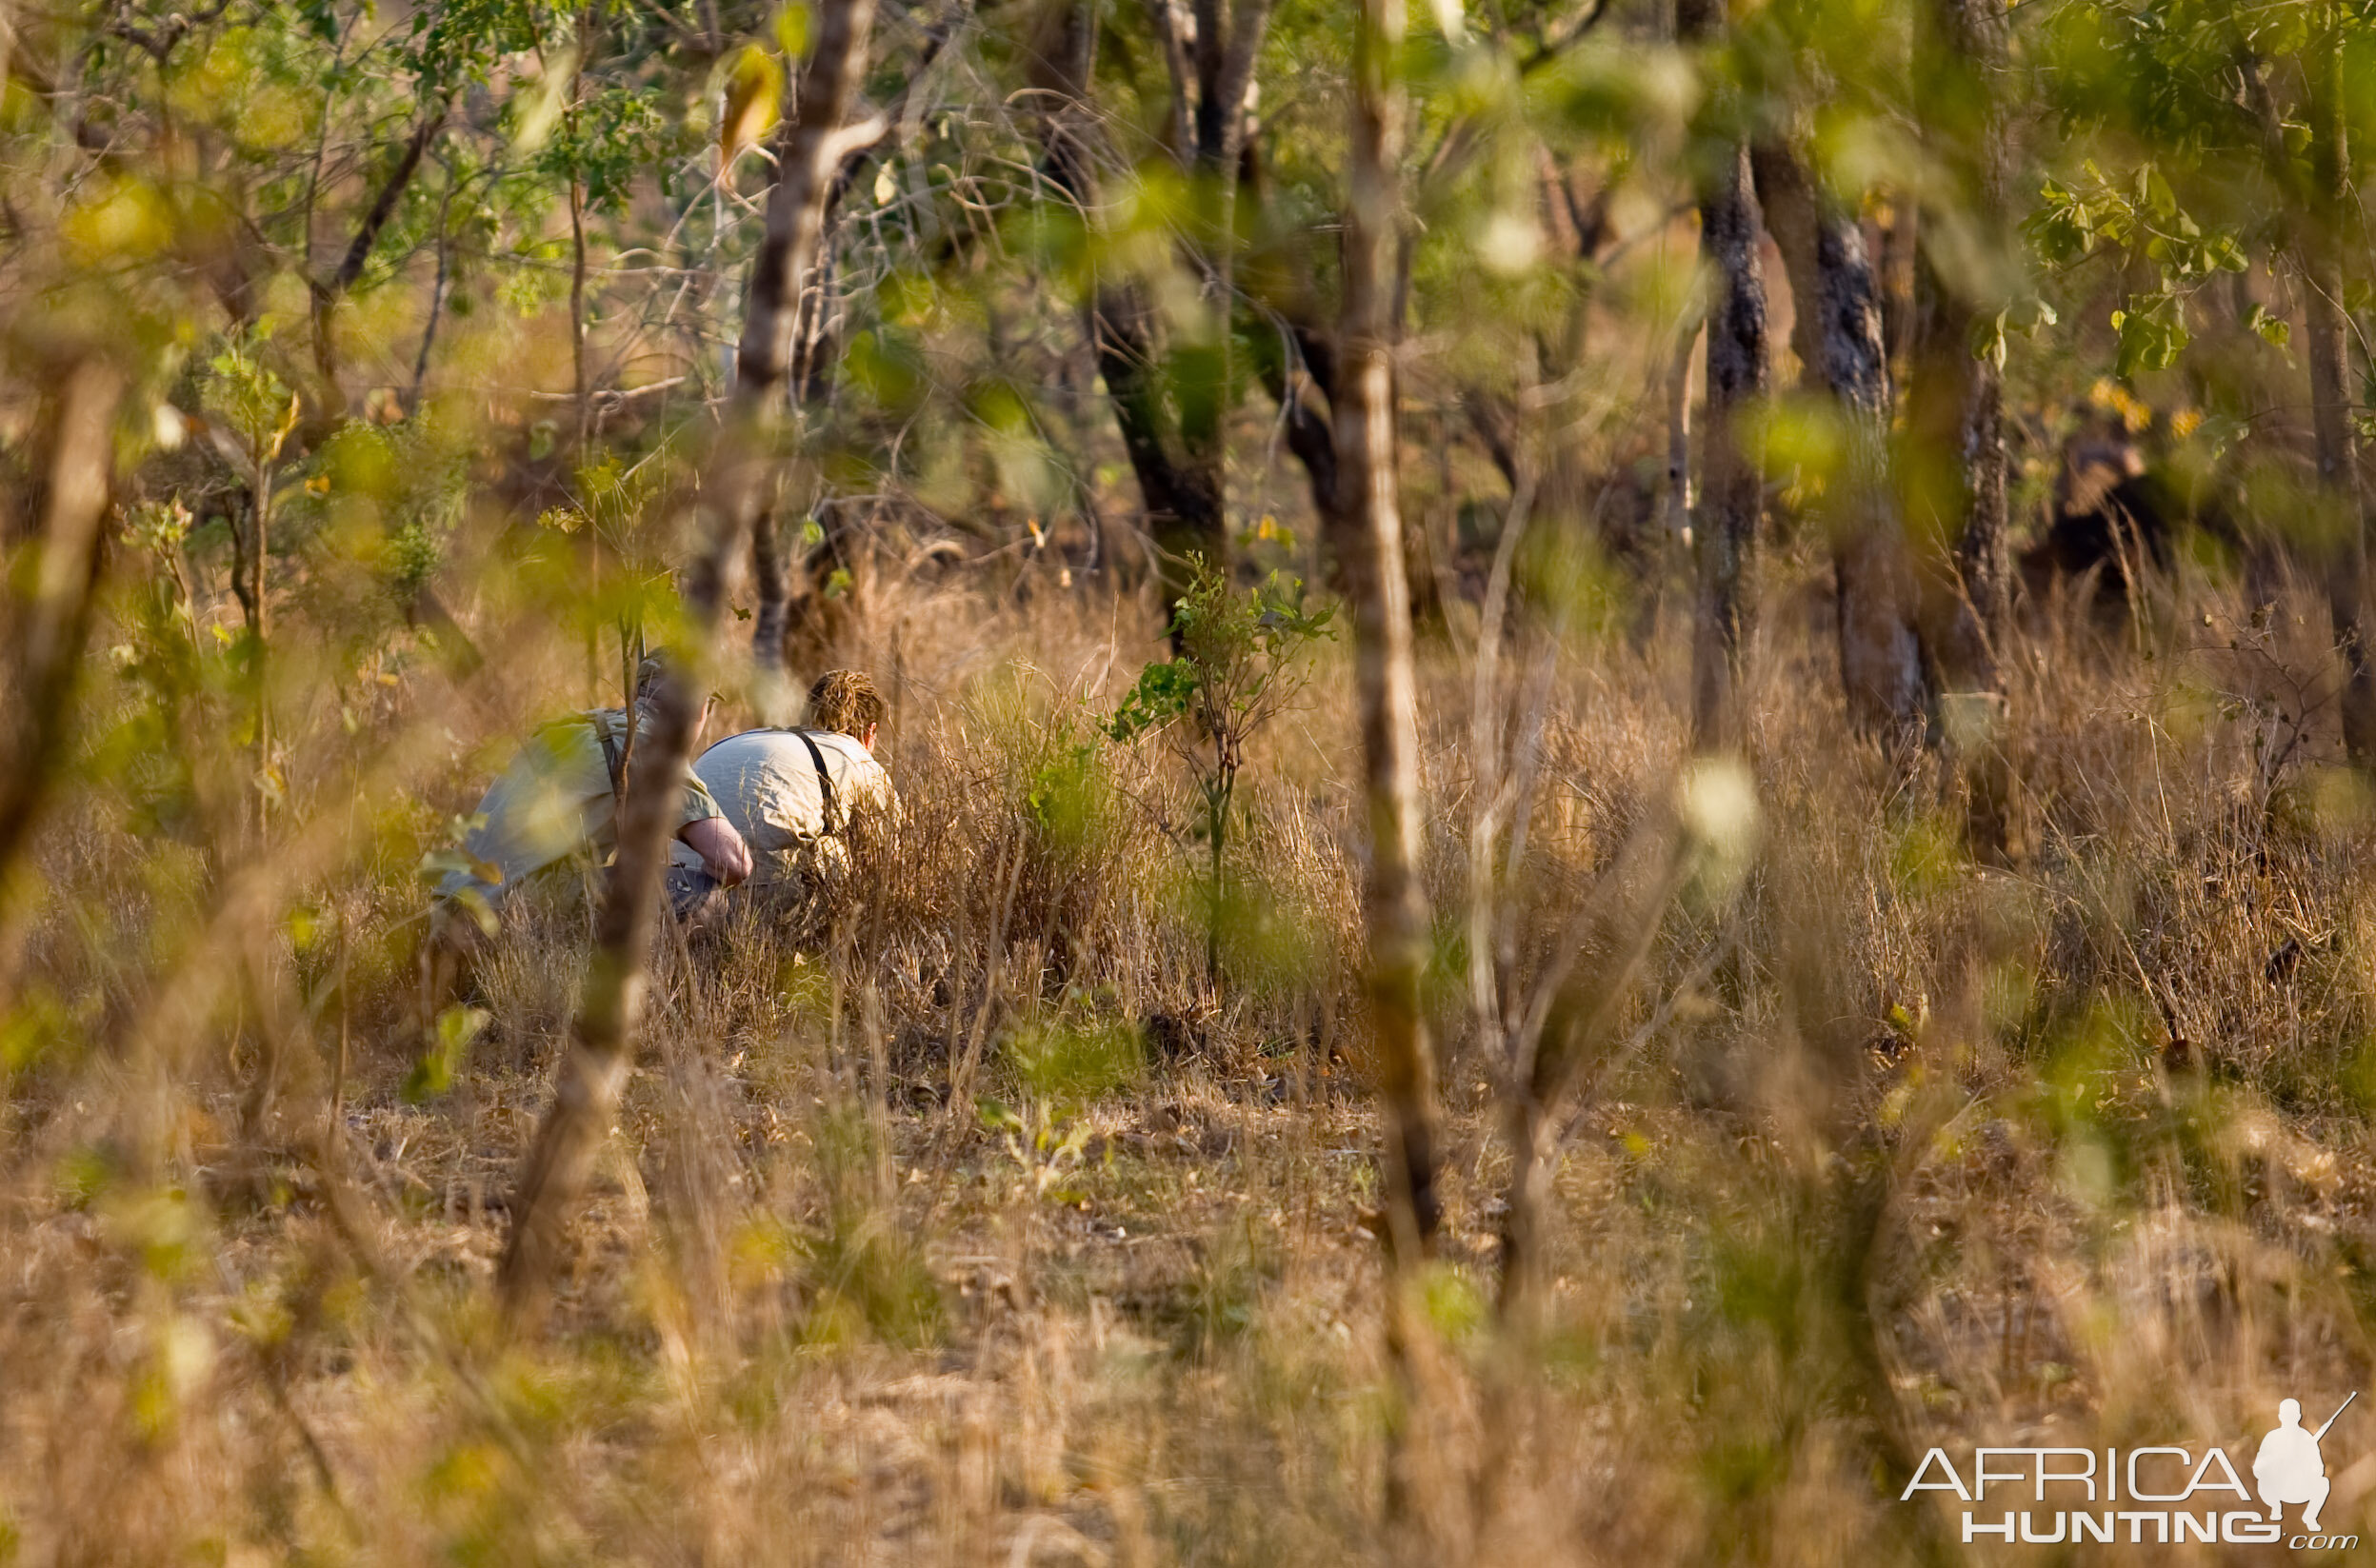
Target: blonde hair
845, 700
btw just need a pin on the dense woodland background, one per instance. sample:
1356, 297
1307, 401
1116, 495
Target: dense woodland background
1634, 746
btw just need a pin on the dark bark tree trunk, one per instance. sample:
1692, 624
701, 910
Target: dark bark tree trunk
1955, 431
770, 566
1394, 907
54, 616
1733, 494
1182, 495
1974, 32
611, 1005
2327, 342
1184, 499
2318, 203
1228, 38
1837, 334
1894, 263
1293, 350
1954, 486
1210, 142
1180, 130
1298, 369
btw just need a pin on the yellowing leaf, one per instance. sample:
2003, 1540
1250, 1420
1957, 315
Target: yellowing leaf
754, 96
127, 221
289, 424
792, 30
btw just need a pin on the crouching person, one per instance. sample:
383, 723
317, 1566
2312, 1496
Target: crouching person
558, 802
806, 801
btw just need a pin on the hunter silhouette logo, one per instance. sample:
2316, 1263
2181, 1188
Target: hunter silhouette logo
2161, 1496
2288, 1468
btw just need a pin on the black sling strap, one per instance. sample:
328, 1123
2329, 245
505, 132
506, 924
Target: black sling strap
610, 758
613, 757
825, 780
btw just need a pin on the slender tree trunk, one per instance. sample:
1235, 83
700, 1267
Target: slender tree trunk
1733, 494
796, 208
1181, 132
436, 299
1837, 333
1975, 34
1895, 264
1549, 1068
1676, 503
1182, 494
1955, 490
1291, 349
1180, 461
328, 291
2318, 205
1225, 66
582, 387
2328, 345
582, 391
777, 547
261, 626
243, 573
610, 1008
1369, 545
1983, 553
54, 618
814, 352
769, 561
1298, 369
1184, 507
1394, 907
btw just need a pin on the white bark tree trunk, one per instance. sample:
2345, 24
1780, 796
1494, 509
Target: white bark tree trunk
1370, 525
610, 1006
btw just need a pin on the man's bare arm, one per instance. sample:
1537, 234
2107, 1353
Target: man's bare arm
722, 849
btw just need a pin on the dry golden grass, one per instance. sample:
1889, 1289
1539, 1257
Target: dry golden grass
1898, 1151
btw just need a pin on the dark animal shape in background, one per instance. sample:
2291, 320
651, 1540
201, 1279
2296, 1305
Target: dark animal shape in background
2112, 512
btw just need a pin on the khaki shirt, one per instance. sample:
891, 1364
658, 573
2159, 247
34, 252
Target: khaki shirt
766, 782
555, 800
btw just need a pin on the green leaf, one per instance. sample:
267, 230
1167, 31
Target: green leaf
434, 1074
2151, 336
1163, 692
1987, 339
2029, 316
